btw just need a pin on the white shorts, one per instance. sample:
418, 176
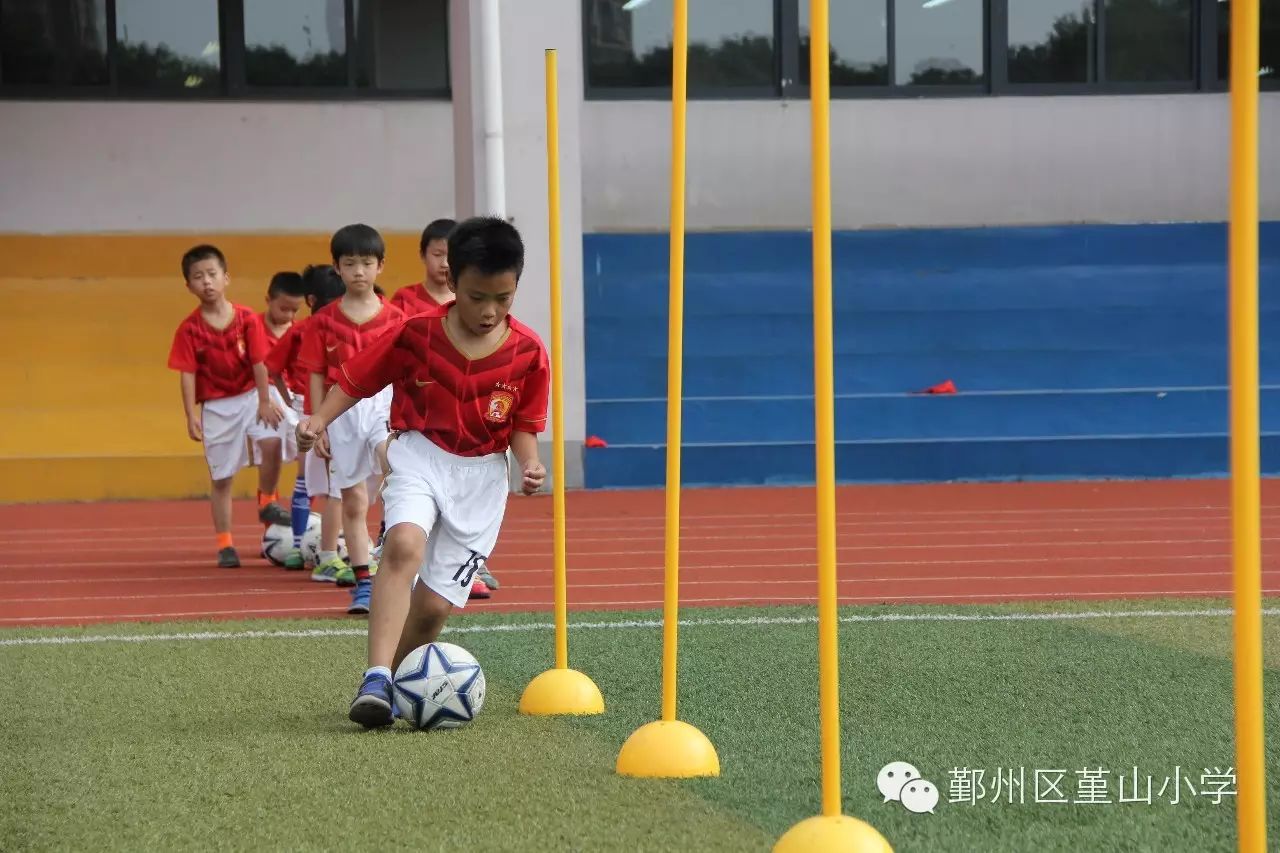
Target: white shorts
226, 422
457, 501
316, 470
258, 431
354, 438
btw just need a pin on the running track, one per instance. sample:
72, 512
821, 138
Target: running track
948, 544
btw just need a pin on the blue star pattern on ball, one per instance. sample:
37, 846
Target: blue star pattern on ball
442, 692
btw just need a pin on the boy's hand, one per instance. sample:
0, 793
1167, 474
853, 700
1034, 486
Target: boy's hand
195, 430
269, 413
534, 474
309, 439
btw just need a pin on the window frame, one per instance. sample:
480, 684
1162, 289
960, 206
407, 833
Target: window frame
232, 85
1203, 62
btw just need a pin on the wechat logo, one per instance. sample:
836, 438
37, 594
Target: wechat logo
902, 782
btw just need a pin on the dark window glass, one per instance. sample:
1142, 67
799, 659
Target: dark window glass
1051, 41
1268, 45
168, 44
938, 42
30, 45
295, 43
731, 43
859, 43
1148, 40
34, 34
402, 44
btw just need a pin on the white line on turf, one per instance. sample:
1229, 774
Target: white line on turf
684, 584
717, 601
749, 621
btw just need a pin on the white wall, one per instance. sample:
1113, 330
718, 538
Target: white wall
239, 166
935, 162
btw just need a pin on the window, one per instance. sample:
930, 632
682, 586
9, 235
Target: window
731, 45
859, 43
1051, 41
1268, 44
1148, 40
402, 44
295, 43
224, 48
938, 42
45, 42
170, 44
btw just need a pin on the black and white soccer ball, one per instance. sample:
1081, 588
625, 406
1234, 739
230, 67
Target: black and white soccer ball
439, 686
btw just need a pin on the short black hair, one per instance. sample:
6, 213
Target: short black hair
437, 229
287, 283
357, 241
203, 252
487, 244
323, 285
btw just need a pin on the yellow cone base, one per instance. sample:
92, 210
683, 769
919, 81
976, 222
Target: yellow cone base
839, 834
668, 750
561, 692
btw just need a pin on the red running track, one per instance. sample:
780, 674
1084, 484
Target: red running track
75, 564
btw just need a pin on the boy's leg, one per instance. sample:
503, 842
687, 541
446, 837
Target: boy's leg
428, 611
355, 522
405, 546
226, 423
299, 516
220, 504
270, 452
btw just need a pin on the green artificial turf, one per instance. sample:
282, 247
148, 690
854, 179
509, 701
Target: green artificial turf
244, 744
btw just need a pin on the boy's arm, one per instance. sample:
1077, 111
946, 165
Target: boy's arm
525, 446
317, 390
282, 388
310, 430
187, 382
268, 412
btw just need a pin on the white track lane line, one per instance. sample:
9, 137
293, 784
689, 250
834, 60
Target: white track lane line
750, 621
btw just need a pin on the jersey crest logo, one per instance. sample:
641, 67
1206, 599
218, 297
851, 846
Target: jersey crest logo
501, 399
240, 345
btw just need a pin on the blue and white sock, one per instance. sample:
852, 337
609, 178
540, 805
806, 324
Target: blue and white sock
299, 510
378, 670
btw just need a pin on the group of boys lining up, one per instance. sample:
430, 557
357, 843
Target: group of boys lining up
416, 399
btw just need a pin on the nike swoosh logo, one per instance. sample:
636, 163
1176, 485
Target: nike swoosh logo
331, 349
422, 384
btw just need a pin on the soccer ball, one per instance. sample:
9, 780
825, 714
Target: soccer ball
439, 686
277, 542
311, 542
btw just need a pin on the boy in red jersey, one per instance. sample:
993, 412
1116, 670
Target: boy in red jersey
429, 295
312, 488
433, 290
474, 381
333, 335
273, 447
219, 350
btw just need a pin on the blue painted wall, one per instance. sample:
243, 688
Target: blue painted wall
1078, 351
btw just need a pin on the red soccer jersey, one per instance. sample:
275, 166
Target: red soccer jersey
414, 299
283, 360
402, 407
332, 337
221, 359
467, 407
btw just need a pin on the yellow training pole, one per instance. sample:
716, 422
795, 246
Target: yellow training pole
670, 748
675, 357
832, 830
560, 690
1246, 498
